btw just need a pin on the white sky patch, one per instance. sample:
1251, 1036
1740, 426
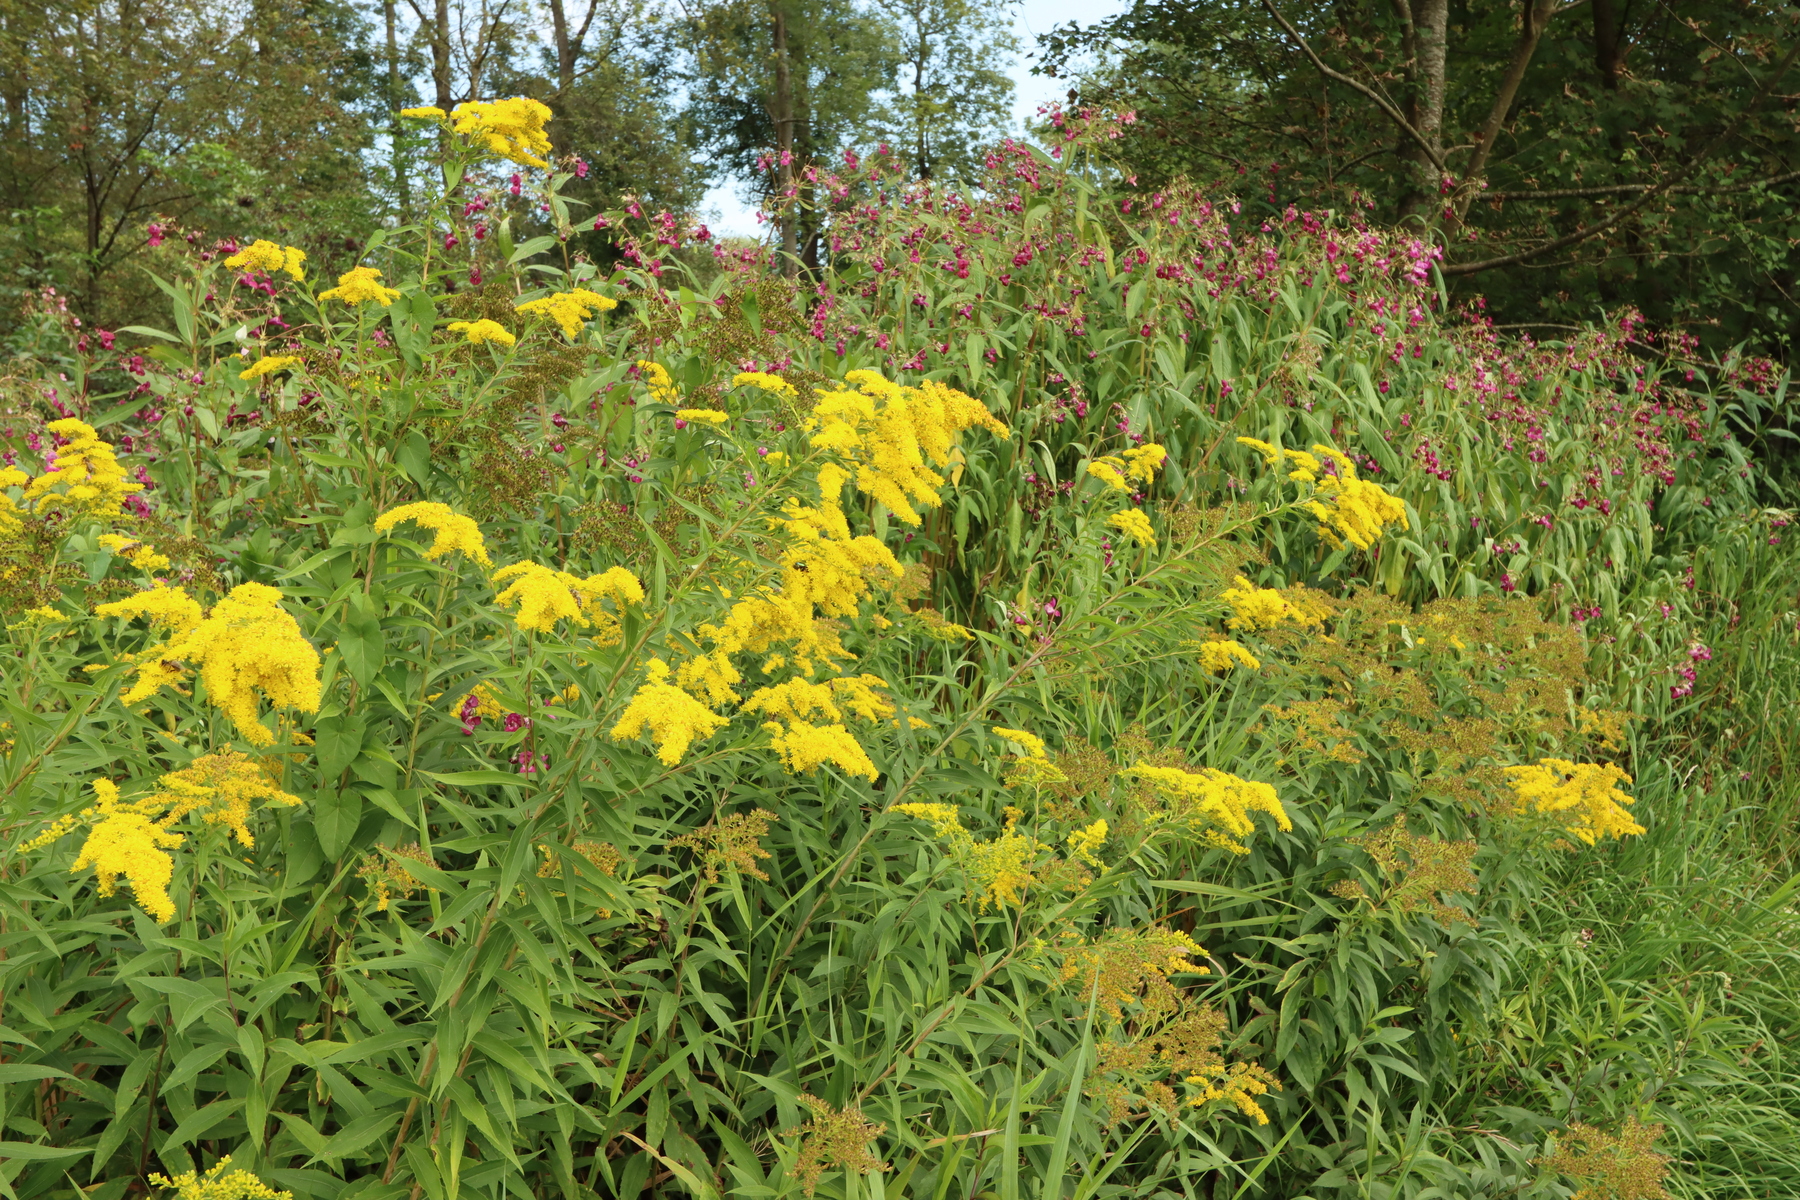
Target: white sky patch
728, 213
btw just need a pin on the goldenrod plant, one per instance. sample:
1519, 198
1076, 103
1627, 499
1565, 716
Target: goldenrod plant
501, 726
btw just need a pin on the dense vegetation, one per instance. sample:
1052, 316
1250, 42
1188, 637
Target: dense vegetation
1078, 694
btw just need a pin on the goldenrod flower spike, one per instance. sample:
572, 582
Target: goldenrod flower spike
702, 416
1584, 796
268, 257
767, 382
138, 554
92, 480
570, 310
1220, 656
484, 330
359, 284
1135, 525
246, 646
455, 532
512, 129
270, 365
216, 1184
544, 596
673, 718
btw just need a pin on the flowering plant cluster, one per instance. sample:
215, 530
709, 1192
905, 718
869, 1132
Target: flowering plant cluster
501, 726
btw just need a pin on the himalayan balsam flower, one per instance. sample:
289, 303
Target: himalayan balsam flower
454, 531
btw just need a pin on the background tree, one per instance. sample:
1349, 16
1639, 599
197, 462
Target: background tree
953, 95
1569, 156
226, 119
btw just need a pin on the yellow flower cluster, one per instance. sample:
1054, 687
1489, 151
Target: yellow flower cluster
673, 718
892, 436
1000, 870
656, 378
1239, 1084
93, 482
570, 310
1084, 844
1138, 465
140, 555
1221, 655
1254, 608
484, 330
803, 744
246, 646
268, 257
512, 129
1584, 797
130, 839
359, 284
1214, 802
487, 703
1349, 508
887, 433
10, 522
1132, 966
269, 365
1135, 525
217, 1184
765, 381
545, 596
703, 416
454, 531
1034, 765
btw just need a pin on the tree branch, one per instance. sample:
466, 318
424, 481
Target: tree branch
1583, 234
1393, 114
1619, 189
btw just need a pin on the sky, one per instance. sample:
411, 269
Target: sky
1031, 17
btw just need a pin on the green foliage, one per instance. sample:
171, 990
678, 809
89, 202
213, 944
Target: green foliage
502, 948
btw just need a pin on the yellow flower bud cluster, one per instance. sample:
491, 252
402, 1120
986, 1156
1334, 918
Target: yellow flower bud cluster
140, 555
455, 532
1349, 508
269, 257
656, 378
1000, 870
1583, 797
570, 310
1135, 466
891, 436
269, 365
1214, 803
1135, 525
219, 1184
92, 481
246, 647
765, 381
673, 719
130, 839
359, 284
484, 330
544, 596
511, 129
702, 416
1221, 654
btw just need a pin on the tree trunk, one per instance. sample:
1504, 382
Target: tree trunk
1431, 34
402, 190
440, 54
1609, 43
